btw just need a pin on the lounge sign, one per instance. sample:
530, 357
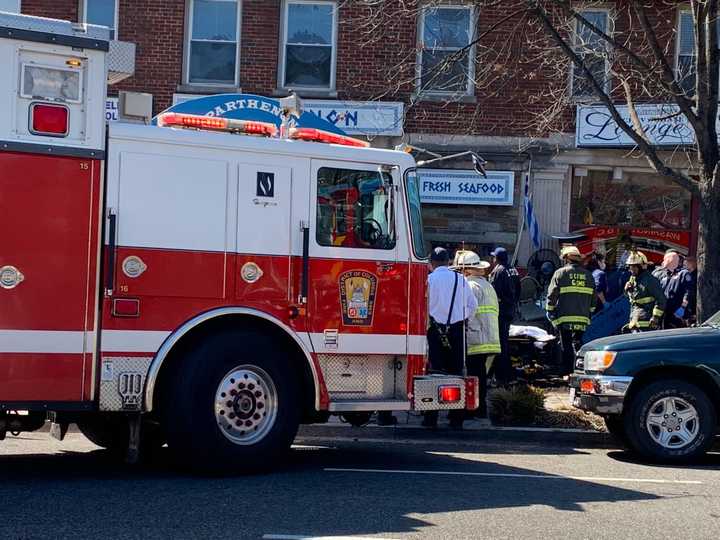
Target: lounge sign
459, 186
662, 123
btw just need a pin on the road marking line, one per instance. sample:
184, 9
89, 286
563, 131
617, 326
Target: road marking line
517, 475
304, 537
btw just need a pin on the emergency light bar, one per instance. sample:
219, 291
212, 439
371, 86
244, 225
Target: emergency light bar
214, 123
318, 135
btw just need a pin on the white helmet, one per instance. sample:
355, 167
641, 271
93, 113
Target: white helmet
570, 252
636, 257
468, 259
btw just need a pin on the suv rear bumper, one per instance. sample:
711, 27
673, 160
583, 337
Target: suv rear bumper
606, 396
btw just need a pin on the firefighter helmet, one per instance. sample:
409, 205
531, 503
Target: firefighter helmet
636, 258
468, 259
570, 252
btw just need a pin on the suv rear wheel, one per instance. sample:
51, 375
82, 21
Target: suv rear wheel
671, 421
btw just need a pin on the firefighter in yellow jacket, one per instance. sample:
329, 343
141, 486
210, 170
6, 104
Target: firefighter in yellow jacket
570, 302
482, 332
647, 298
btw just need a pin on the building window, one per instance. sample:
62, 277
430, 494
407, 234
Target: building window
11, 6
445, 61
101, 12
685, 60
212, 51
355, 209
591, 48
309, 38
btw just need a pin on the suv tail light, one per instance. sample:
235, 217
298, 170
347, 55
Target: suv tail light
49, 119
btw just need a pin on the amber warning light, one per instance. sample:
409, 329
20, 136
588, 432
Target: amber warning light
216, 124
49, 119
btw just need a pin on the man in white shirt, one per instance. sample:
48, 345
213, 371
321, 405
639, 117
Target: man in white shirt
450, 304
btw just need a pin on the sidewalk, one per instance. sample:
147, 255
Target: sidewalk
408, 427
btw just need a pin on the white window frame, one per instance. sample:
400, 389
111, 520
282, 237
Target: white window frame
116, 16
470, 88
609, 31
283, 46
188, 40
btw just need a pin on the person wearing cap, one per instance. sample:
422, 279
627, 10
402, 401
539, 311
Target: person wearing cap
675, 281
482, 335
450, 303
570, 303
506, 282
647, 298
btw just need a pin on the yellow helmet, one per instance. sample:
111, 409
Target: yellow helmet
636, 257
570, 252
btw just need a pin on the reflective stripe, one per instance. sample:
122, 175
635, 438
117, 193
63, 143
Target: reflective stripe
580, 290
657, 312
644, 300
486, 309
640, 324
550, 308
571, 319
484, 348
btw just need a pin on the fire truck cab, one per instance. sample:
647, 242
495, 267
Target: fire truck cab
200, 282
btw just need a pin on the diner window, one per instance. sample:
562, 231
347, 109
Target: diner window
11, 6
445, 60
685, 51
101, 12
308, 51
592, 49
212, 50
355, 209
637, 200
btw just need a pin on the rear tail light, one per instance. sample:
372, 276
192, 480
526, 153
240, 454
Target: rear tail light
472, 393
49, 119
449, 394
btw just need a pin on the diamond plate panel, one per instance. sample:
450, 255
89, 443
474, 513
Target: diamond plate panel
53, 26
120, 61
357, 376
120, 377
425, 390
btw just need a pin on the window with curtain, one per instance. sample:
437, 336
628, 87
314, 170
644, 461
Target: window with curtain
591, 48
101, 12
213, 42
446, 30
309, 45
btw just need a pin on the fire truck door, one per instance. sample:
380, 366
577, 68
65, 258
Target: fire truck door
48, 276
358, 289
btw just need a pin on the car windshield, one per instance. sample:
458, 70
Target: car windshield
713, 321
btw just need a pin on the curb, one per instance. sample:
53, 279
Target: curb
468, 436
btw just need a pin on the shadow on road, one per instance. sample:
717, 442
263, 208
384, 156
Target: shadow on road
92, 495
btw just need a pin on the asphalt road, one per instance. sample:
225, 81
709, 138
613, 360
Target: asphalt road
362, 488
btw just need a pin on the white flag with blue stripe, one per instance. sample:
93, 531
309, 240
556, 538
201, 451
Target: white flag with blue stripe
532, 224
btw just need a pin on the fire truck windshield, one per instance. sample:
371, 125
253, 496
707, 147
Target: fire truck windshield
416, 225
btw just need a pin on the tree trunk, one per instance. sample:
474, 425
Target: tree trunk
708, 253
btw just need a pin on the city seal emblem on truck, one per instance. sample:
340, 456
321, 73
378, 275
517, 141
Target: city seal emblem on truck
10, 277
133, 266
357, 297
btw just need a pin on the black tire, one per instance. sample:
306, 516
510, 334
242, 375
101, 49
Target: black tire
615, 425
195, 436
703, 427
112, 432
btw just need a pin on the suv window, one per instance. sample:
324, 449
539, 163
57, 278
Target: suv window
355, 209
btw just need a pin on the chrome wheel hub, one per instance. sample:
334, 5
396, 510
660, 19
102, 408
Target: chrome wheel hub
246, 404
672, 422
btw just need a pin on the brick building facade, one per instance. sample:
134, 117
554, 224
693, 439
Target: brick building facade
349, 52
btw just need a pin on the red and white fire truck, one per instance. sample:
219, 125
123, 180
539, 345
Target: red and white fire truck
202, 282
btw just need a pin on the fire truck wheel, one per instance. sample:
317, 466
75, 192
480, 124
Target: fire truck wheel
232, 404
112, 432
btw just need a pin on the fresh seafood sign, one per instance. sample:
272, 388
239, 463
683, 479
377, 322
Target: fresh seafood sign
357, 297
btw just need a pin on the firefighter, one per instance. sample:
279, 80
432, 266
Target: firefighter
570, 302
450, 303
482, 335
675, 281
647, 298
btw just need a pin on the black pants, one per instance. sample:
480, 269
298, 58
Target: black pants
502, 367
476, 368
446, 360
570, 343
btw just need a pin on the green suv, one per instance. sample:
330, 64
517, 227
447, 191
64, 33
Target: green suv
659, 392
